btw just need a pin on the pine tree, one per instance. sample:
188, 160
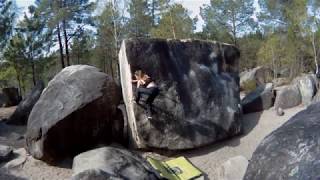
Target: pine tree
231, 16
7, 17
64, 16
140, 20
175, 23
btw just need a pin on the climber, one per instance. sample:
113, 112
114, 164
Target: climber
145, 85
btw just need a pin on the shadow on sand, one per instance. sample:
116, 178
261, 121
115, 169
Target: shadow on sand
9, 176
249, 122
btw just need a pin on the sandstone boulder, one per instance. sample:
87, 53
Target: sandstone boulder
258, 76
76, 111
258, 100
307, 87
21, 114
9, 97
199, 92
113, 163
290, 152
287, 97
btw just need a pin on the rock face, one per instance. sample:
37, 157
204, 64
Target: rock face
307, 87
259, 75
21, 114
260, 99
9, 97
288, 97
110, 162
199, 92
290, 152
75, 112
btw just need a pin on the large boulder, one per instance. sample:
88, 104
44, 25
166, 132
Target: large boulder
287, 97
21, 114
75, 112
111, 163
307, 86
199, 92
257, 76
258, 100
9, 97
290, 152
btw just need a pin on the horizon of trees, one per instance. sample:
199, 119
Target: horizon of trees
58, 33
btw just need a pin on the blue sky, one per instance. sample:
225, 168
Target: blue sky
192, 5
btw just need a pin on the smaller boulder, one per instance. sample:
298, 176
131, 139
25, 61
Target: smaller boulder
258, 100
5, 153
21, 114
280, 111
257, 76
287, 97
106, 162
234, 168
307, 87
9, 97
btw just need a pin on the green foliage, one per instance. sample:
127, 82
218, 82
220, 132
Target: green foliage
7, 17
228, 16
176, 19
81, 47
249, 86
109, 31
249, 46
140, 21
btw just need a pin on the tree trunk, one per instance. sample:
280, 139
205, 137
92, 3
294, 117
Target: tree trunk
315, 53
66, 41
60, 47
111, 68
33, 73
153, 15
104, 64
274, 64
234, 33
172, 26
18, 78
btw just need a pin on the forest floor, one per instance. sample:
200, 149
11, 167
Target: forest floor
208, 159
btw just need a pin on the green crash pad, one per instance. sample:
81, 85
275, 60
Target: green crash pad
175, 169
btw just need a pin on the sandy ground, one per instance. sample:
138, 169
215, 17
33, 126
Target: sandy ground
256, 127
6, 112
208, 159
